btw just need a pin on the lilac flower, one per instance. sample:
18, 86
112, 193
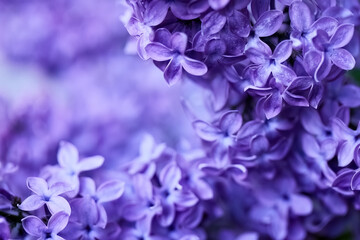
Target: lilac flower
85, 222
106, 192
267, 63
148, 151
305, 28
46, 195
173, 194
145, 206
35, 227
70, 167
348, 141
332, 48
174, 50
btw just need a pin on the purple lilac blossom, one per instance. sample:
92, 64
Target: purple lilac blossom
274, 152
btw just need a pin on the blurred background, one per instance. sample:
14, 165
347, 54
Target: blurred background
68, 71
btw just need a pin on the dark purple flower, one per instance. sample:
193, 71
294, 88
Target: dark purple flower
271, 63
174, 52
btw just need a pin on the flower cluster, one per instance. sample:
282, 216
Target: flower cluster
275, 150
280, 128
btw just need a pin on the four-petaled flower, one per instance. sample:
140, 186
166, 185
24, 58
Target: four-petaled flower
46, 195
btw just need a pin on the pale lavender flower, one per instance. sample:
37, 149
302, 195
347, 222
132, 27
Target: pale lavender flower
35, 227
45, 194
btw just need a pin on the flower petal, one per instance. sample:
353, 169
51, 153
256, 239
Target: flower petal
87, 186
33, 226
300, 16
268, 23
179, 41
158, 51
273, 105
349, 96
32, 203
205, 131
37, 185
68, 155
155, 13
194, 67
300, 204
343, 59
212, 23
110, 191
283, 51
57, 204
58, 222
218, 4
239, 24
90, 163
173, 71
342, 36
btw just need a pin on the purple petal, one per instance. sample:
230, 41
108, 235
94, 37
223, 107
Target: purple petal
218, 4
312, 60
212, 23
203, 190
349, 96
259, 145
60, 188
173, 71
143, 187
355, 181
32, 203
283, 51
170, 176
179, 41
300, 16
68, 155
261, 75
184, 198
323, 68
295, 100
343, 59
345, 154
342, 36
357, 155
284, 74
231, 122
87, 186
37, 185
273, 105
205, 131
268, 23
33, 226
58, 222
238, 172
90, 163
194, 67
239, 24
134, 212
310, 146
320, 40
168, 214
300, 205
155, 12
256, 56
343, 180
327, 24
158, 51
258, 7
110, 191
58, 204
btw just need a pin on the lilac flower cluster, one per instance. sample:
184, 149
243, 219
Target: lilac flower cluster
279, 132
267, 89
